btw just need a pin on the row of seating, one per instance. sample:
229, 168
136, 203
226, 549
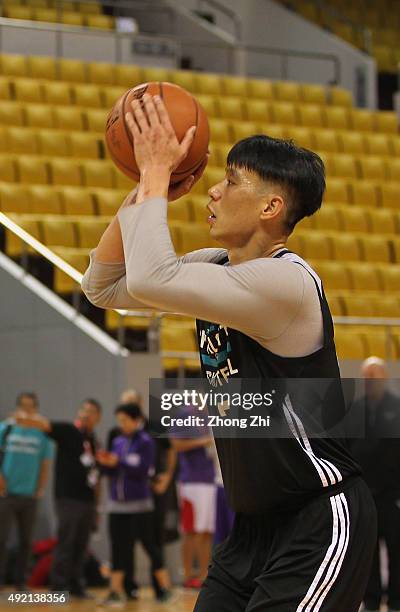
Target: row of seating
127, 75
364, 305
359, 343
259, 113
86, 8
51, 15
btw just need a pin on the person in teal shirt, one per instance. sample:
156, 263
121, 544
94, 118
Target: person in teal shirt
26, 455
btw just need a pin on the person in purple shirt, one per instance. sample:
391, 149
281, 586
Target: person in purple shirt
197, 492
130, 465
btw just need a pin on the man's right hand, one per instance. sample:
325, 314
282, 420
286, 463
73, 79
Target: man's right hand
3, 486
35, 421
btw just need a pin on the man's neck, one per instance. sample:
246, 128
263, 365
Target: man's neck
254, 251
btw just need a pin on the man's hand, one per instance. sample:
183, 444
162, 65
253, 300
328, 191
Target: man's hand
3, 486
107, 459
35, 421
161, 483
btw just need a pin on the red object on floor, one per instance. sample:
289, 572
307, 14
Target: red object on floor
41, 572
193, 583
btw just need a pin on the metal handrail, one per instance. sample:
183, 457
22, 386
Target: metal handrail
237, 22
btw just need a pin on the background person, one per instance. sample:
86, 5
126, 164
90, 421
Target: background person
24, 473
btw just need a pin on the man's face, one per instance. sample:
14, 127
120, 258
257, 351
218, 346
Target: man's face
89, 416
27, 404
375, 380
236, 205
127, 425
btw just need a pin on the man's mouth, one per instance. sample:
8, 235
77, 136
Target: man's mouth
211, 217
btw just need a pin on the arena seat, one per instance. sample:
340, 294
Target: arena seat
72, 18
351, 143
375, 248
58, 232
325, 140
5, 89
77, 201
302, 136
340, 97
383, 221
287, 91
45, 200
337, 191
97, 173
64, 171
377, 144
313, 94
68, 118
349, 344
87, 95
21, 140
336, 117
54, 143
210, 105
334, 275
389, 277
14, 65
96, 119
102, 22
208, 83
127, 75
108, 200
84, 145
101, 73
346, 247
328, 218
71, 70
14, 198
362, 120
354, 219
284, 113
235, 86
179, 210
11, 113
258, 88
231, 108
57, 93
257, 110
15, 247
32, 170
364, 193
363, 277
8, 169
27, 90
90, 230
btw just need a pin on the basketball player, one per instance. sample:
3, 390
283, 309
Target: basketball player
305, 528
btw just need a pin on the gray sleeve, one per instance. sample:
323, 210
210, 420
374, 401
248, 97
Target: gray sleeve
263, 298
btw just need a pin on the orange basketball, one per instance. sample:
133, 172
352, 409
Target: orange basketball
184, 111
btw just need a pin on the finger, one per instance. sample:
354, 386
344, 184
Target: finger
150, 109
139, 116
188, 139
163, 114
132, 125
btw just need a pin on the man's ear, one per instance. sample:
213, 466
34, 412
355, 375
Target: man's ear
273, 205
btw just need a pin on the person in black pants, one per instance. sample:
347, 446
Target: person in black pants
76, 489
378, 453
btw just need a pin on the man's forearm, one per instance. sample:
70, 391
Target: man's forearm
110, 248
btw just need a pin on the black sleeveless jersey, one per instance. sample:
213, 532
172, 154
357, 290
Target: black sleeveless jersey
275, 474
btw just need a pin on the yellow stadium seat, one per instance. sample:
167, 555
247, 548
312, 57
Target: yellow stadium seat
336, 117
121, 181
90, 231
380, 342
296, 242
155, 75
195, 237
58, 231
101, 73
14, 198
11, 113
326, 140
208, 83
273, 131
180, 210
349, 345
77, 201
219, 130
108, 201
260, 89
234, 86
382, 221
19, 12
387, 306
375, 248
313, 94
372, 168
102, 22
362, 120
395, 145
45, 200
72, 70
351, 143
3, 139
178, 337
317, 245
21, 140
311, 115
53, 143
257, 110
84, 144
72, 18
218, 153
198, 209
377, 144
68, 118
98, 173
184, 78
14, 65
384, 58
337, 191
286, 91
395, 245
387, 122
14, 245
340, 97
209, 103
363, 277
90, 8
355, 219
393, 169
127, 76
43, 4
302, 136
389, 194
39, 116
364, 193
334, 275
328, 218
42, 67
243, 129
63, 283
32, 170
111, 94
230, 108
64, 171
346, 247
96, 119
390, 277
57, 93
284, 113
8, 169
335, 305
212, 176
358, 305
46, 15
344, 166
27, 90
87, 95
5, 90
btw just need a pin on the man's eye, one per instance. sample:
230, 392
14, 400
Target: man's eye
228, 182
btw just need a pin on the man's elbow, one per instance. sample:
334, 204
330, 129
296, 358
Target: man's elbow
139, 287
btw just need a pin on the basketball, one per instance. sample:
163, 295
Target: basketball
184, 111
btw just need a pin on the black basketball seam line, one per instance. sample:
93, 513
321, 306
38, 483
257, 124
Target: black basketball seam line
197, 165
127, 132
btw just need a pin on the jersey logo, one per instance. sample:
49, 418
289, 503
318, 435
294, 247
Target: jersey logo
215, 354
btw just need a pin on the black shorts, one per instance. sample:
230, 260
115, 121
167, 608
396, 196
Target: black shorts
317, 559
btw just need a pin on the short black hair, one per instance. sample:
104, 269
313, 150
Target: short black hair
132, 410
300, 171
30, 395
93, 402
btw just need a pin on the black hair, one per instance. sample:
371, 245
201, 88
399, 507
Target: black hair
93, 402
300, 171
132, 410
28, 394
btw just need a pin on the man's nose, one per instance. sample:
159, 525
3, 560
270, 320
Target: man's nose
214, 192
